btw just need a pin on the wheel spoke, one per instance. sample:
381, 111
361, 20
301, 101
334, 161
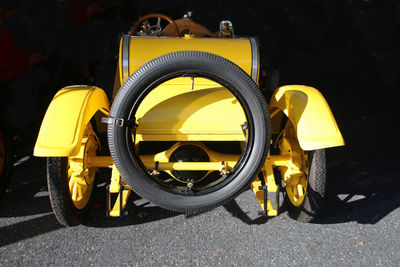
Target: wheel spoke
70, 171
80, 192
300, 190
71, 182
74, 193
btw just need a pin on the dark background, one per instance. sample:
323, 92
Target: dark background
349, 50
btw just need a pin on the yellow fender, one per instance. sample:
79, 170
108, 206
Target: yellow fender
310, 114
66, 118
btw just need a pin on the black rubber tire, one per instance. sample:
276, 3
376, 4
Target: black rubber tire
200, 64
57, 182
5, 173
316, 188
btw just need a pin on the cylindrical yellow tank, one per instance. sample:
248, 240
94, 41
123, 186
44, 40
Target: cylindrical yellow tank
137, 50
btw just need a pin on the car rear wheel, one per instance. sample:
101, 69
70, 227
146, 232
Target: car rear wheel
305, 180
71, 184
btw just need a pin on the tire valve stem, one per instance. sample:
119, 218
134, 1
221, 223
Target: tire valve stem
155, 172
244, 127
189, 186
191, 83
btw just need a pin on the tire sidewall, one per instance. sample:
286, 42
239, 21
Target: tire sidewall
57, 182
316, 189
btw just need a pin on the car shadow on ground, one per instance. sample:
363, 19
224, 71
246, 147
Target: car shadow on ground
363, 184
29, 228
138, 211
362, 196
363, 187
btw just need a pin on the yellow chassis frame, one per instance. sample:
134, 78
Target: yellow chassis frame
118, 186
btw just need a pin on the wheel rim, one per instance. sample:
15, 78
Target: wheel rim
2, 153
295, 175
80, 176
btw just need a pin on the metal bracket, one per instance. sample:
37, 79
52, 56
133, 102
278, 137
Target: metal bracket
189, 187
120, 122
264, 212
155, 172
266, 191
117, 195
112, 210
264, 188
244, 127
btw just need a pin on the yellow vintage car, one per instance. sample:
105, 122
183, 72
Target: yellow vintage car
188, 129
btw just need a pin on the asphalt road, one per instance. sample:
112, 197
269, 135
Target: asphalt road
356, 70
357, 228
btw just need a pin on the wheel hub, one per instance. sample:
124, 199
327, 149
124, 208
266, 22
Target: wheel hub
81, 177
295, 174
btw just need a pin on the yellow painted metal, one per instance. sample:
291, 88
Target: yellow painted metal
218, 161
81, 176
123, 194
150, 160
292, 162
66, 118
279, 160
190, 166
259, 193
116, 208
293, 166
115, 180
190, 109
310, 114
272, 208
143, 49
295, 173
100, 161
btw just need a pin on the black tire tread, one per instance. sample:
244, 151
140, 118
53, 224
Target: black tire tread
316, 190
57, 183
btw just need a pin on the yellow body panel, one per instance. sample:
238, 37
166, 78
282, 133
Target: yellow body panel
146, 48
143, 49
185, 109
66, 118
310, 114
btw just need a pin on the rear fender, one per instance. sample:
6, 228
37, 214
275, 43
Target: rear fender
66, 118
310, 114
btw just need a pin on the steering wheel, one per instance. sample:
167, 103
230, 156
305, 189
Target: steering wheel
157, 27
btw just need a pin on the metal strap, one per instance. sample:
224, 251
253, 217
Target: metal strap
120, 122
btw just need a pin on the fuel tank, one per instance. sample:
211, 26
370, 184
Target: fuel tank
137, 50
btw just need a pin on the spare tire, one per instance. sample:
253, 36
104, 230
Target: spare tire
192, 64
